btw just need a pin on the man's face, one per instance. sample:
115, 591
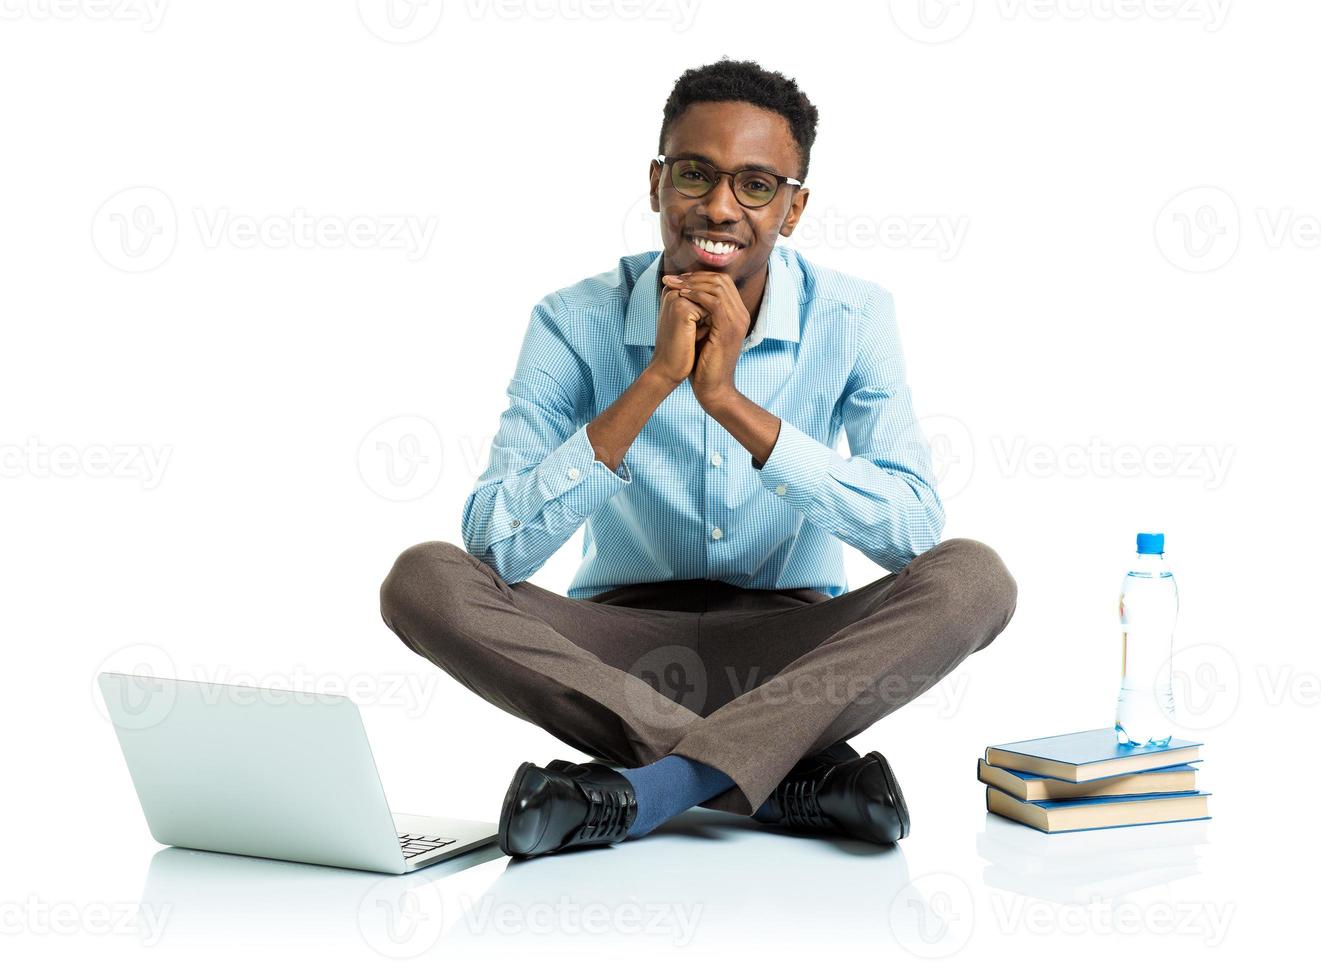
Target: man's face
730, 136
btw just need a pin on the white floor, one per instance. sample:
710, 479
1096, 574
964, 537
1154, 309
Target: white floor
965, 886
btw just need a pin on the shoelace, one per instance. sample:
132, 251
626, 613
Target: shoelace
608, 813
799, 806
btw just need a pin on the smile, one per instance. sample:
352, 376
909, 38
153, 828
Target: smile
714, 253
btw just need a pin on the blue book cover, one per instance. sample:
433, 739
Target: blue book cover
1093, 754
1100, 812
1106, 800
1036, 777
1032, 786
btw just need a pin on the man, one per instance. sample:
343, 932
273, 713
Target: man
684, 406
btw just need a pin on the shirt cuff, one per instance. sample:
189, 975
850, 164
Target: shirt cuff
797, 466
572, 474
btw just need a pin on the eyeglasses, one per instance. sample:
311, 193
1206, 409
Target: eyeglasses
752, 188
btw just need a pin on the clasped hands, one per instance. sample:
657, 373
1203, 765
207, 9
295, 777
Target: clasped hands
699, 334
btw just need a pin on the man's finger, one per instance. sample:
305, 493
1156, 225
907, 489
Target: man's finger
695, 293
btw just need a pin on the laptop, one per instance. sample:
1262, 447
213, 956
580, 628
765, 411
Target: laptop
269, 773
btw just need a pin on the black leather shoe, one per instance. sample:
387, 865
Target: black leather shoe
565, 805
839, 752
562, 765
858, 797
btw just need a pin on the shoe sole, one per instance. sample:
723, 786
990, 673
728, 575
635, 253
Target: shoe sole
892, 784
507, 808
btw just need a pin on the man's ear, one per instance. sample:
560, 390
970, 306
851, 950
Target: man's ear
653, 176
795, 212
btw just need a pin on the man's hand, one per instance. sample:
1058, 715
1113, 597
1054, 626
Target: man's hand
720, 331
677, 334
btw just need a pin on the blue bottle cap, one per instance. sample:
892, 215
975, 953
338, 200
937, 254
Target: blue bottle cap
1151, 544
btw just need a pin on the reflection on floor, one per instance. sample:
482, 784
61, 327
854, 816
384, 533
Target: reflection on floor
706, 876
1080, 868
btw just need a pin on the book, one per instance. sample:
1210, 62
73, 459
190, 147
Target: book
1063, 816
1030, 787
1081, 756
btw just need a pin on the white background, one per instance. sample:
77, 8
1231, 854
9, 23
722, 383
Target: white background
1100, 223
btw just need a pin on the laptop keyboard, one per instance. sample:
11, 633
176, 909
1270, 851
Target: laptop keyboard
418, 845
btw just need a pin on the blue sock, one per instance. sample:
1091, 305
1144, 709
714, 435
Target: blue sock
669, 786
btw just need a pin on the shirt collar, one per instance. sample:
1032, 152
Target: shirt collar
777, 319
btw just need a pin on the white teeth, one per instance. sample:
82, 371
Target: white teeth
715, 248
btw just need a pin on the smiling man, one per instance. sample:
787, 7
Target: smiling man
683, 408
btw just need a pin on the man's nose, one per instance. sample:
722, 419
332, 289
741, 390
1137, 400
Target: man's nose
720, 206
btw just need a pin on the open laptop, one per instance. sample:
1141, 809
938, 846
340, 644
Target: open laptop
269, 773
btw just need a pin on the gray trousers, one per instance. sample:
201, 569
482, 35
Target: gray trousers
748, 681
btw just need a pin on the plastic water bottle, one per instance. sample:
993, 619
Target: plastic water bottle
1148, 607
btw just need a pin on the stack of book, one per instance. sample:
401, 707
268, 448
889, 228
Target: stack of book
1087, 781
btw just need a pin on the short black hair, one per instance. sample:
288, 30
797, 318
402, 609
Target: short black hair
745, 81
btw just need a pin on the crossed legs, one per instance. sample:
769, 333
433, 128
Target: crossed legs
747, 688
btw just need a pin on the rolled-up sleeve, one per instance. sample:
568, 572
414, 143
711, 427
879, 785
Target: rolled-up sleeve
543, 479
882, 499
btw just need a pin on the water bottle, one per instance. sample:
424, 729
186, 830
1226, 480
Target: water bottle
1148, 606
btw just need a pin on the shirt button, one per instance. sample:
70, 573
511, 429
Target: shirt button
574, 473
716, 459
717, 533
515, 523
780, 489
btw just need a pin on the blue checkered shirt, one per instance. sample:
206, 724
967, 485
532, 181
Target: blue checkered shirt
687, 501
